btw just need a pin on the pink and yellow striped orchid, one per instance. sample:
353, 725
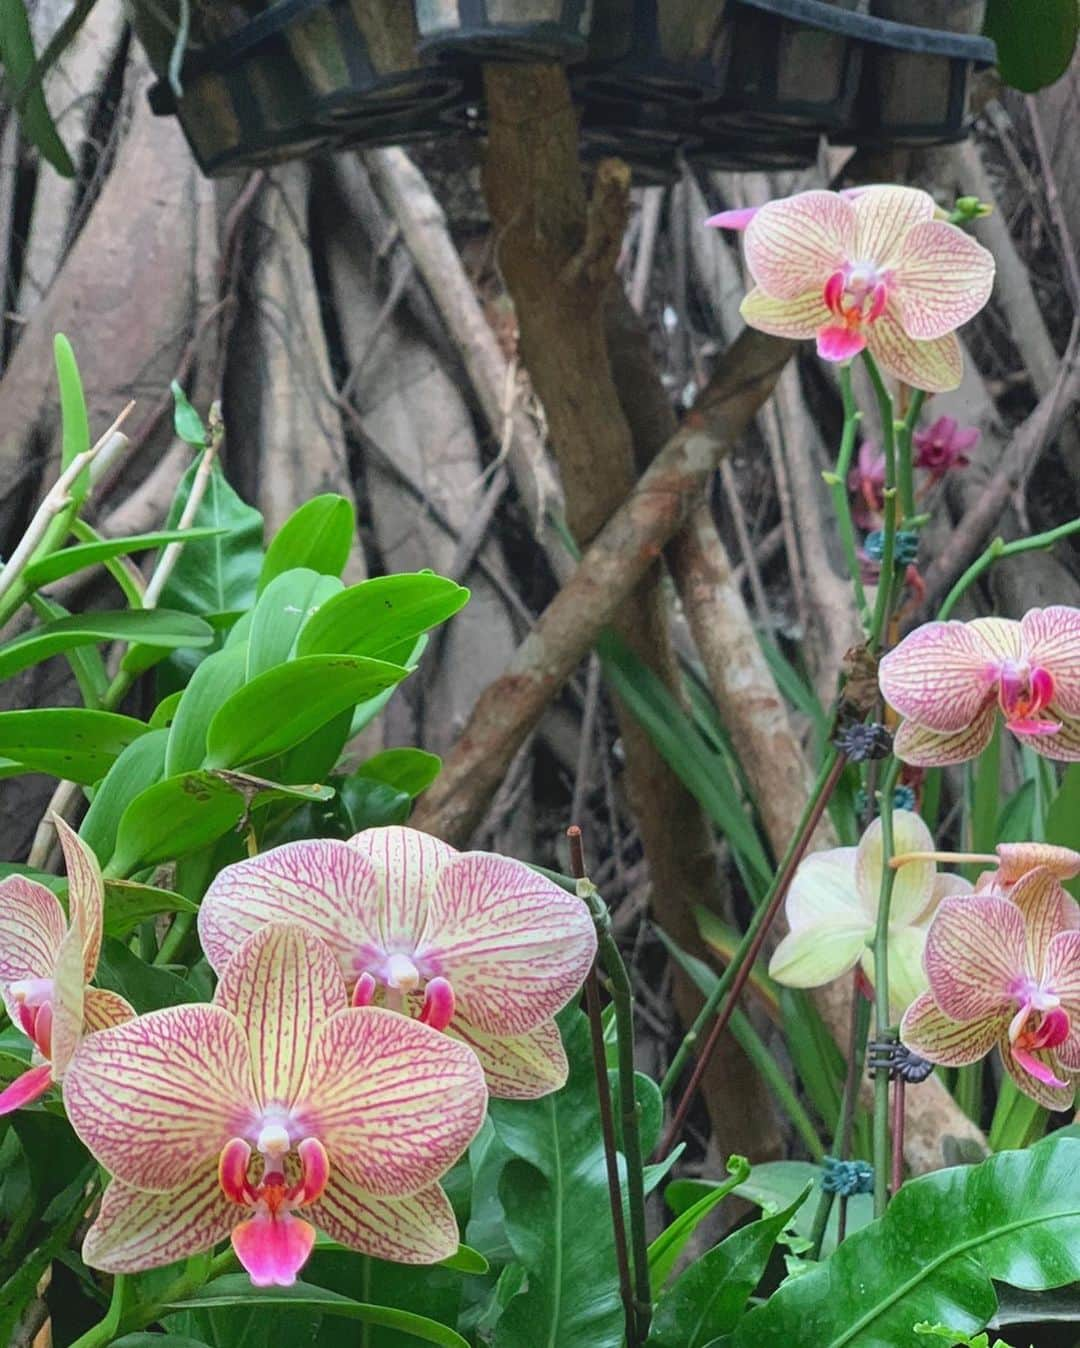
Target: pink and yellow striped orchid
230, 1118
1005, 971
876, 272
949, 680
46, 963
474, 944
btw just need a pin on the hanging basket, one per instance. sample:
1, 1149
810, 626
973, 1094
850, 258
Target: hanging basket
504, 30
295, 78
733, 150
670, 50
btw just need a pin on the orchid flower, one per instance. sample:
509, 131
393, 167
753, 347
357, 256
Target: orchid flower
46, 963
950, 680
474, 944
1005, 972
230, 1118
877, 272
943, 446
739, 218
832, 909
867, 480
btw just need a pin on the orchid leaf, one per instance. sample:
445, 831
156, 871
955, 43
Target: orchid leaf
67, 742
281, 611
1035, 41
408, 770
378, 616
372, 804
75, 424
81, 555
18, 60
159, 628
670, 1243
139, 766
1063, 818
127, 904
213, 682
187, 423
318, 535
146, 987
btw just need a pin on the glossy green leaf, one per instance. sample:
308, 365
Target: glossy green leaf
709, 1298
236, 1290
376, 616
1035, 40
1063, 818
146, 986
670, 1243
186, 421
160, 628
1014, 1219
18, 60
318, 535
371, 804
554, 1196
1016, 815
140, 765
56, 883
283, 706
127, 904
282, 609
165, 711
76, 558
67, 742
212, 684
408, 770
74, 422
85, 661
145, 1340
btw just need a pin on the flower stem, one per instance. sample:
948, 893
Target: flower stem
838, 486
997, 549
881, 990
888, 448
906, 461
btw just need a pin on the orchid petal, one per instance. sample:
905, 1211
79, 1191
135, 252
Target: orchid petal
940, 675
102, 1009
327, 886
513, 944
838, 343
884, 216
928, 1031
907, 976
1051, 638
135, 1230
1001, 635
943, 278
1047, 909
913, 885
407, 864
935, 366
921, 747
1063, 745
26, 1088
1061, 972
394, 1102
273, 1247
86, 893
1049, 1096
797, 318
975, 952
418, 1229
1016, 859
810, 956
32, 925
946, 886
281, 985
735, 219
156, 1098
795, 244
518, 1066
68, 994
823, 889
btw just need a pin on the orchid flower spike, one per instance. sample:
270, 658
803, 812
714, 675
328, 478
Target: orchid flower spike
46, 962
474, 944
832, 908
1005, 972
277, 1098
950, 680
876, 272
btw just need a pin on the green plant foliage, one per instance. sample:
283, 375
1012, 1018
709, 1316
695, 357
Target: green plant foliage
1035, 40
380, 617
146, 987
159, 628
408, 770
186, 421
48, 570
282, 609
670, 1243
18, 60
1014, 1219
319, 535
128, 904
140, 765
74, 421
67, 742
366, 803
212, 684
1063, 818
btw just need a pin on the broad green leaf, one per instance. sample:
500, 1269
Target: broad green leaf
186, 421
1017, 812
139, 766
85, 661
283, 706
554, 1195
282, 609
69, 560
165, 711
75, 424
212, 684
318, 535
67, 742
1035, 41
670, 1243
57, 883
1013, 1219
376, 616
159, 628
146, 987
18, 60
184, 813
145, 1340
486, 1229
236, 1290
1063, 818
408, 770
466, 1260
127, 904
219, 574
710, 1296
370, 804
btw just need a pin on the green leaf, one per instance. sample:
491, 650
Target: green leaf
376, 616
670, 1243
160, 628
146, 987
1017, 812
408, 770
283, 706
69, 560
708, 1299
212, 684
68, 742
127, 904
554, 1196
1035, 40
1063, 818
369, 804
186, 421
650, 1107
85, 661
236, 1290
139, 766
281, 611
18, 60
318, 535
145, 1340
165, 711
75, 424
1014, 1219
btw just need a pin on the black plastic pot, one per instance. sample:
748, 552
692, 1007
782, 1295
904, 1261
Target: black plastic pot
504, 30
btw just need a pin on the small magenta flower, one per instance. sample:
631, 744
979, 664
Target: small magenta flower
472, 943
832, 909
1005, 972
943, 446
46, 963
875, 272
867, 481
950, 680
277, 1099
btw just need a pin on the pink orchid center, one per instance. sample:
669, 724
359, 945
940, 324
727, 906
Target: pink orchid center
402, 980
856, 296
33, 1006
1024, 692
1040, 1023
